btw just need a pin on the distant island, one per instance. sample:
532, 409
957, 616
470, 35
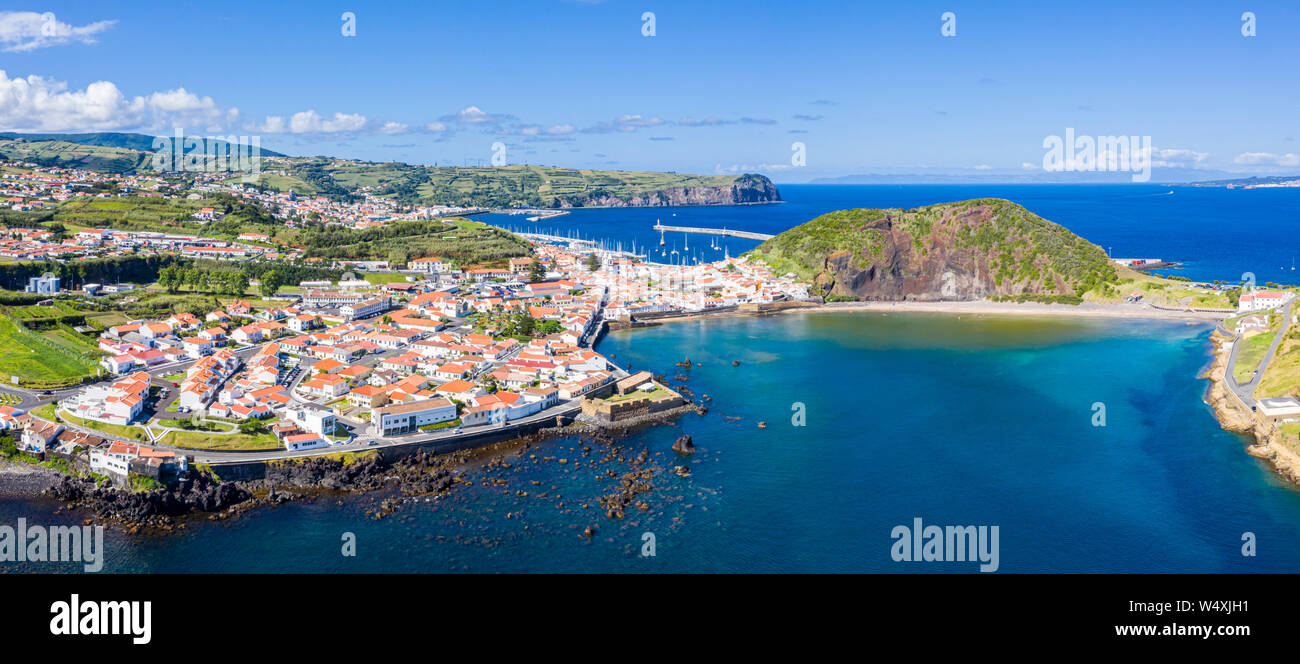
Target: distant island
1253, 182
964, 250
349, 180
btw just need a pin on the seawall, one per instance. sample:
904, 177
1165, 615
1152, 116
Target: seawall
1234, 415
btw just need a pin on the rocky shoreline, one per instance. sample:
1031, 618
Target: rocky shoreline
1234, 416
23, 480
202, 495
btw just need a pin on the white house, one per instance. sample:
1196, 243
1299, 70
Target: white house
310, 417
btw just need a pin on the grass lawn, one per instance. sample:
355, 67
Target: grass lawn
1251, 352
134, 433
1283, 374
201, 440
42, 361
378, 278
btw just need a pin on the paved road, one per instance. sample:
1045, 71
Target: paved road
362, 442
1246, 391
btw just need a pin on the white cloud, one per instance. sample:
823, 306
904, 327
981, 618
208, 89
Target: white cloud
751, 168
1176, 158
624, 123
393, 128
1267, 159
436, 127
310, 122
1029, 166
35, 103
28, 31
473, 115
983, 167
560, 129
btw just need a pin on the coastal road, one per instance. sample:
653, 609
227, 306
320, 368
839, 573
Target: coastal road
449, 437
1246, 391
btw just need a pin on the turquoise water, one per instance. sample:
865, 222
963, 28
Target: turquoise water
964, 421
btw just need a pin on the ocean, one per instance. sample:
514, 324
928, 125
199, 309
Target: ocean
871, 421
1215, 233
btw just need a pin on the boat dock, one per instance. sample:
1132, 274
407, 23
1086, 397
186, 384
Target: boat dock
714, 231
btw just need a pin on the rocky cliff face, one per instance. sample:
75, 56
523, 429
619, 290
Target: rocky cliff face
745, 189
952, 251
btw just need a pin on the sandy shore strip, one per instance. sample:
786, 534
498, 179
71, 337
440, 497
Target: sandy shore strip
1017, 309
976, 307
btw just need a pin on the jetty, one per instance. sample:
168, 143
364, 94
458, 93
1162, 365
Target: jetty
714, 231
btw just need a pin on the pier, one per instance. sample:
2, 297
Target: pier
572, 242
714, 231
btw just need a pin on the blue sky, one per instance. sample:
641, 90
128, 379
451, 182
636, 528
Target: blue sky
867, 87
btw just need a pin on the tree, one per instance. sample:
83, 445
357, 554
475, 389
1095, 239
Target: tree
593, 263
270, 283
536, 272
236, 283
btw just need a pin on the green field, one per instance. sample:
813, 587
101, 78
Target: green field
137, 213
201, 440
378, 278
1282, 377
47, 359
74, 155
1251, 352
463, 243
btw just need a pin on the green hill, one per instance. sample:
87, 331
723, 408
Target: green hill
515, 186
111, 139
954, 251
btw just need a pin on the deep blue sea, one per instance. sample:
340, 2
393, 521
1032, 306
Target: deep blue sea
955, 420
1216, 233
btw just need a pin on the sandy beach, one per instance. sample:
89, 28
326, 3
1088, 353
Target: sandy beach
1096, 309
977, 307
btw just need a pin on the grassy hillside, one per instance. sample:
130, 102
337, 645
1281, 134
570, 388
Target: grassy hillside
463, 242
42, 349
110, 139
65, 154
994, 246
504, 186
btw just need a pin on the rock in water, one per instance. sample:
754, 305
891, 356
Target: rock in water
684, 445
735, 363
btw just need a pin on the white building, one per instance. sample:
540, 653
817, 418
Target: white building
402, 418
46, 285
313, 418
1263, 300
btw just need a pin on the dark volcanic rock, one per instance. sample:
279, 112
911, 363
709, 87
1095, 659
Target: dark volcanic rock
684, 445
196, 492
